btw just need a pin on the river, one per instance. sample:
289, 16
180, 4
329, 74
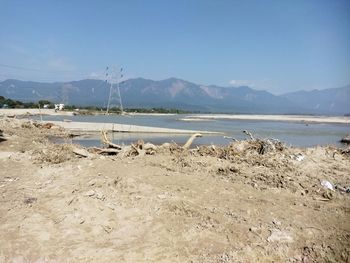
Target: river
292, 133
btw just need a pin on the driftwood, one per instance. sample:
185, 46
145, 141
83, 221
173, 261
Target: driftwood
136, 149
230, 138
108, 142
346, 139
189, 142
249, 134
81, 152
111, 151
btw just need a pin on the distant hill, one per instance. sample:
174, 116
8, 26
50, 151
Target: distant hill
177, 93
328, 101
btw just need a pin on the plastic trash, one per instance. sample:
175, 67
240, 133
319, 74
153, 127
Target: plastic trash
343, 189
328, 185
299, 157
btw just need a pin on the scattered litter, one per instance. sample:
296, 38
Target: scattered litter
10, 179
298, 157
328, 195
328, 185
100, 196
343, 189
30, 200
107, 229
276, 222
280, 236
161, 196
90, 193
110, 206
70, 201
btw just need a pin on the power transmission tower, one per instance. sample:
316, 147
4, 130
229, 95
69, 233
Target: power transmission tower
113, 77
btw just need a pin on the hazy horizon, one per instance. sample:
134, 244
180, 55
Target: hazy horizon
278, 46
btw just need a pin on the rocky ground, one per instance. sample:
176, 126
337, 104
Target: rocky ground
250, 201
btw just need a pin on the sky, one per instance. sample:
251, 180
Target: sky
273, 45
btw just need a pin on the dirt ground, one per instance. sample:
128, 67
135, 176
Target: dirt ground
209, 204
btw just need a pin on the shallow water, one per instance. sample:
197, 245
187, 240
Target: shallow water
293, 133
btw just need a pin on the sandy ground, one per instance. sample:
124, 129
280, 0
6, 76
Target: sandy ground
208, 204
19, 112
199, 117
292, 118
98, 126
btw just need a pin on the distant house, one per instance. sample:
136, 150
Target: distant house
46, 106
59, 106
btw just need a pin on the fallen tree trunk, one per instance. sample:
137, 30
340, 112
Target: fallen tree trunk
189, 142
108, 142
111, 151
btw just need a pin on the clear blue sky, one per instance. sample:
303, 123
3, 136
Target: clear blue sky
275, 45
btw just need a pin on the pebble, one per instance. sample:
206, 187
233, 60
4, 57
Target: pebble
276, 223
90, 193
280, 236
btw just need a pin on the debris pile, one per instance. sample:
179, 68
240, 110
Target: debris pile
54, 153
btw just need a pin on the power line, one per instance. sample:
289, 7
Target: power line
38, 70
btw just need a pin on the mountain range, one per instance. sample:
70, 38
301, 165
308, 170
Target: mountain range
181, 94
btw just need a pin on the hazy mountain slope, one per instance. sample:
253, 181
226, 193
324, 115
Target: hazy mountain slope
328, 101
177, 93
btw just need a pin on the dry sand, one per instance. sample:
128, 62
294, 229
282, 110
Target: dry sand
19, 112
210, 204
199, 117
97, 126
291, 118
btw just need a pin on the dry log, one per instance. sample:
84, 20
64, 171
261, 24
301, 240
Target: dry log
249, 134
189, 142
108, 142
230, 138
111, 151
140, 152
81, 152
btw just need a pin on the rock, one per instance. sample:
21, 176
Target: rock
346, 139
276, 222
280, 236
81, 152
47, 125
253, 229
30, 200
161, 196
100, 196
90, 193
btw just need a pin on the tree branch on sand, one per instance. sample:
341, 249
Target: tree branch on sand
108, 142
189, 142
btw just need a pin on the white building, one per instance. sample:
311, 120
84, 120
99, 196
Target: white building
59, 106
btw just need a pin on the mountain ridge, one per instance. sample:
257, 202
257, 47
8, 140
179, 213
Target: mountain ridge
178, 93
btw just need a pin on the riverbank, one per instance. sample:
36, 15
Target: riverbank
115, 127
25, 112
195, 117
238, 202
290, 118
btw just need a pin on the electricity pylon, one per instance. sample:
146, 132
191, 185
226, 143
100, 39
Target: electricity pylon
113, 77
